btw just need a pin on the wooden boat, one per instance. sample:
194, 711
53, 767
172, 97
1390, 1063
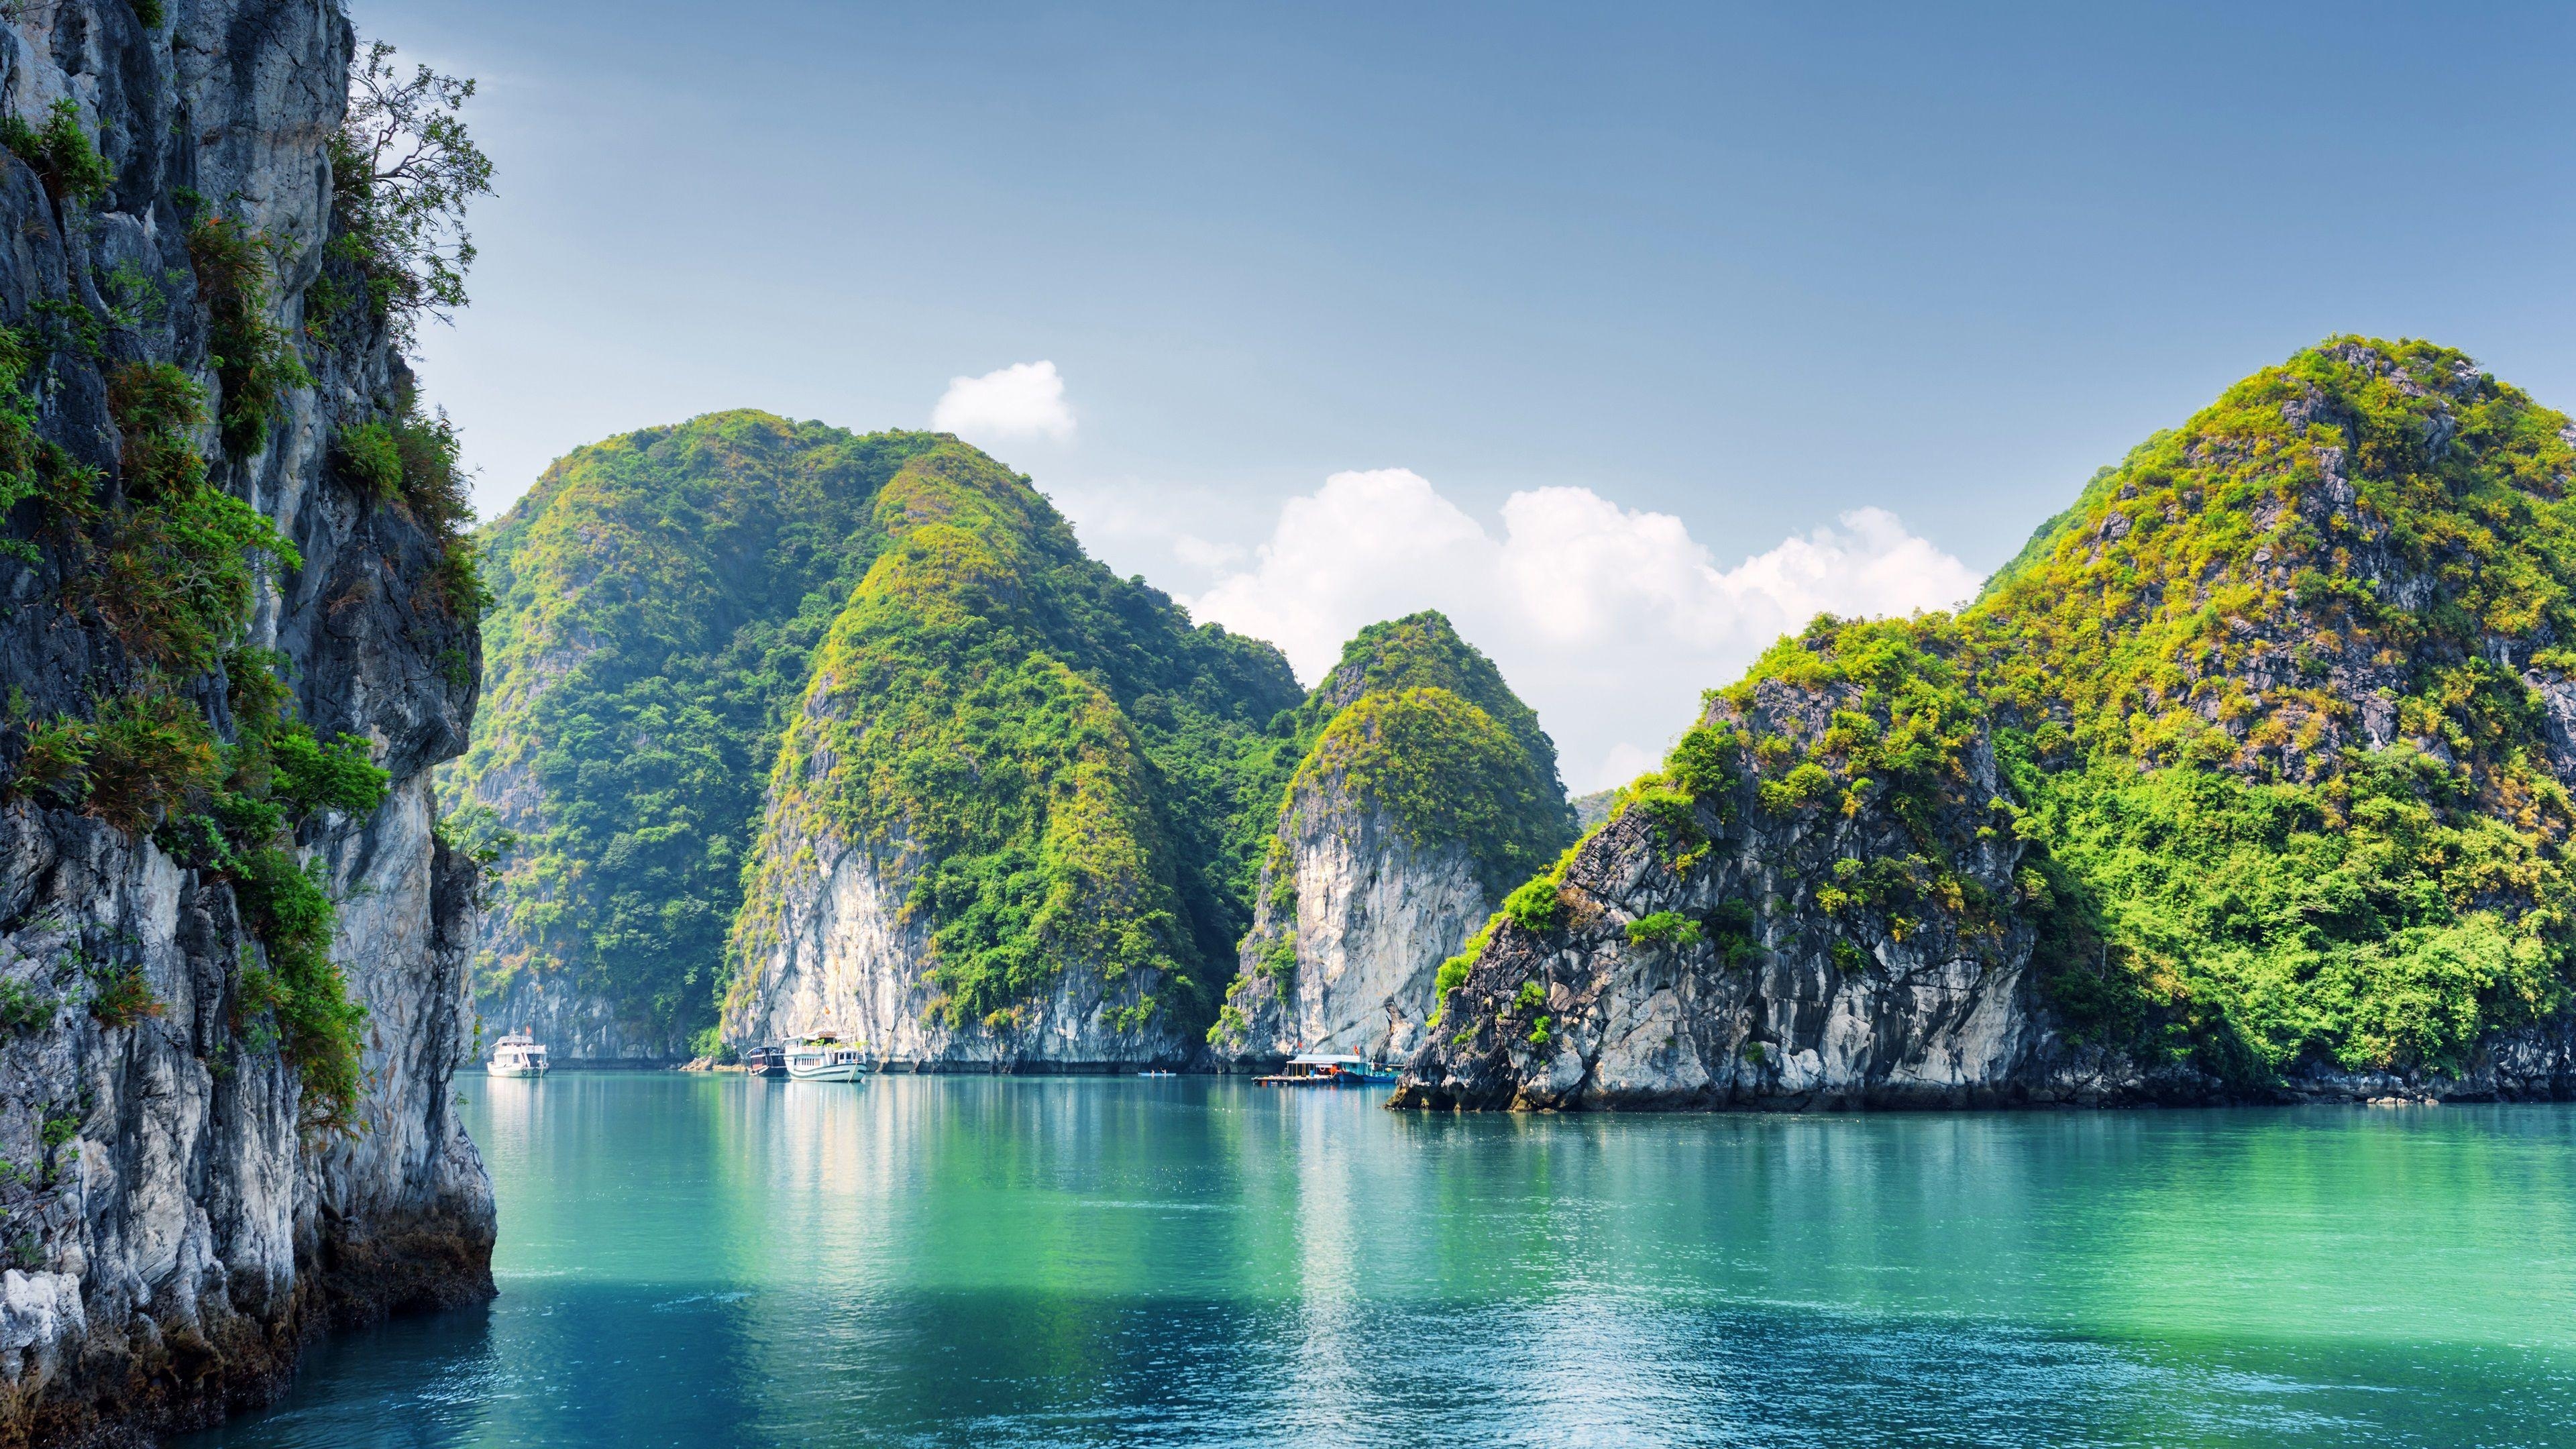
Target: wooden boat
827, 1059
766, 1061
1318, 1069
517, 1055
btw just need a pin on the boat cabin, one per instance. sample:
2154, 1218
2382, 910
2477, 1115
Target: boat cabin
827, 1059
766, 1061
518, 1055
1318, 1069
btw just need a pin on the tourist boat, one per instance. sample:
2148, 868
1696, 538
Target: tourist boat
826, 1059
517, 1055
1318, 1069
1158, 1074
766, 1061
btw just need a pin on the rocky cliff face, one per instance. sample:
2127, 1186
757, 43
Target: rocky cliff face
172, 1236
2242, 783
1724, 949
655, 597
1421, 785
1350, 926
1001, 830
854, 964
1709, 949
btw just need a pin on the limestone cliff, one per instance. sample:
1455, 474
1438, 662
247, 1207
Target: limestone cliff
1001, 833
850, 961
656, 598
1423, 785
1352, 922
186, 1200
2245, 781
1705, 948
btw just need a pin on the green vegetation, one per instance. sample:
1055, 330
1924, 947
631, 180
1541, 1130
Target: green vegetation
22, 1008
2365, 529
403, 171
1536, 905
122, 998
254, 356
1448, 772
2266, 708
188, 734
1665, 928
1418, 722
657, 599
61, 153
1056, 749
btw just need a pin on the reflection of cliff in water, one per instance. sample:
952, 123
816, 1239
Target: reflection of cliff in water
946, 1260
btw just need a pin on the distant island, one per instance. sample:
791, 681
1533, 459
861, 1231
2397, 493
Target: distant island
2245, 778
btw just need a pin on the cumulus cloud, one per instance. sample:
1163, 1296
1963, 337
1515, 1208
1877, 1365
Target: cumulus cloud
1022, 399
1609, 621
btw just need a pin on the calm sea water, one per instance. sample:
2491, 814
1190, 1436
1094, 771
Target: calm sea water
954, 1261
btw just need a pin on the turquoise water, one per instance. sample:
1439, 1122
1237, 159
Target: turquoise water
953, 1261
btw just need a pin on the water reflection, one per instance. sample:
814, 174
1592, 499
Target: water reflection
974, 1260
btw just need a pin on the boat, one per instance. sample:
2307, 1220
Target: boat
1376, 1072
766, 1061
1158, 1074
517, 1055
1318, 1069
827, 1059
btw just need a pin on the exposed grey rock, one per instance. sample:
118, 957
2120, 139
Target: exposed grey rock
850, 962
1342, 952
174, 1238
1787, 1003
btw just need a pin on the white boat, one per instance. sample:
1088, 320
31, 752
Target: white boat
827, 1061
517, 1055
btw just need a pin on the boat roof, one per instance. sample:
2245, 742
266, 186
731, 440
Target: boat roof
519, 1039
1326, 1059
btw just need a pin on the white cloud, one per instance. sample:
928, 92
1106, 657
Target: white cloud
1610, 622
1016, 401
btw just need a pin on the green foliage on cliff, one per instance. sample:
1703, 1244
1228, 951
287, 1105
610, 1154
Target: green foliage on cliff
2272, 709
1054, 748
2276, 706
61, 153
1448, 773
1418, 720
657, 599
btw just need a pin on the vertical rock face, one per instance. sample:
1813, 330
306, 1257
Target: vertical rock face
1000, 831
1718, 950
854, 964
171, 1237
1422, 784
656, 596
2247, 780
1347, 966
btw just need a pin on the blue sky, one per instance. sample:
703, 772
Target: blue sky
1606, 303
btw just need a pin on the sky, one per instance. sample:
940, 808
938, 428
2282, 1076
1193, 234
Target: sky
1630, 336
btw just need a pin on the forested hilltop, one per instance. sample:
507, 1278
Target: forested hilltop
898, 644
656, 598
2249, 777
1419, 789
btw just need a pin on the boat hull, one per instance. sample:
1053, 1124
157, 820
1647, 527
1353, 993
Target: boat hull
832, 1072
515, 1071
